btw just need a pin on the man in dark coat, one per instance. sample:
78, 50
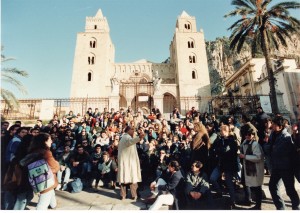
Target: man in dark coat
283, 155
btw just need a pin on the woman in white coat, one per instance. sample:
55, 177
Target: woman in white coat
253, 165
129, 171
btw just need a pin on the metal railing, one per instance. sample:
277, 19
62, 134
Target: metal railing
31, 108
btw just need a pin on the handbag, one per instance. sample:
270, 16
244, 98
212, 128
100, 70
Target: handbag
13, 176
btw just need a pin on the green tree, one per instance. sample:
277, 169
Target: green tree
266, 27
9, 75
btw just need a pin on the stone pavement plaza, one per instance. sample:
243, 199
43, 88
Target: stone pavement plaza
108, 199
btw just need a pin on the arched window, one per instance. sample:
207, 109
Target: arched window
192, 59
91, 59
187, 26
93, 43
193, 75
190, 44
89, 76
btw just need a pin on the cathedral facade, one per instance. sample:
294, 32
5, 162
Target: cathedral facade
181, 81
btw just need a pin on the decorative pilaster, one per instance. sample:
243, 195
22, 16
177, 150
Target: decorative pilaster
114, 102
159, 102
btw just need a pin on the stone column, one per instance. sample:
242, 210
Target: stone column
159, 102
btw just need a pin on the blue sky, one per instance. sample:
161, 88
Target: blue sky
41, 34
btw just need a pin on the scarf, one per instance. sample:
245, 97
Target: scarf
250, 166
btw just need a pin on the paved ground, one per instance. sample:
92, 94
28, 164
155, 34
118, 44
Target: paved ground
108, 199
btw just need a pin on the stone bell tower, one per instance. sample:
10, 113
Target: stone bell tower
93, 59
188, 53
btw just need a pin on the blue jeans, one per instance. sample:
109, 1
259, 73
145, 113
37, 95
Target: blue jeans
23, 199
288, 180
82, 169
214, 177
67, 172
46, 199
9, 200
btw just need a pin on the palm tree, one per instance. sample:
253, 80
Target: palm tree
8, 75
266, 27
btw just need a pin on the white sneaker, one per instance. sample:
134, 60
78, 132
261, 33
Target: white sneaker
58, 187
100, 183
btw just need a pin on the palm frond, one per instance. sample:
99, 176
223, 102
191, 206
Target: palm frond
15, 82
242, 3
235, 24
9, 98
4, 59
281, 38
255, 44
265, 3
15, 71
289, 5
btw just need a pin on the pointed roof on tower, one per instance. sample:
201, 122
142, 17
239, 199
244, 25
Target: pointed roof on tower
184, 14
99, 14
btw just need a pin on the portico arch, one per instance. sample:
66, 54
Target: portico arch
169, 102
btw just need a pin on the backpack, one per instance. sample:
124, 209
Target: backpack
76, 185
40, 176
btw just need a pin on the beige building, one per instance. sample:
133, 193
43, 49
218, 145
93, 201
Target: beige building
181, 81
252, 79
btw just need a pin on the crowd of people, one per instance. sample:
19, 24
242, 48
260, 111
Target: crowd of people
198, 154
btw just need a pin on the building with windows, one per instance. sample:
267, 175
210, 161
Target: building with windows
181, 81
252, 79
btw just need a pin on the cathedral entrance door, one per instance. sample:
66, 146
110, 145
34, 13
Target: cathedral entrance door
143, 101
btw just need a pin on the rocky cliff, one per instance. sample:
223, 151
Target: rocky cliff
223, 62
